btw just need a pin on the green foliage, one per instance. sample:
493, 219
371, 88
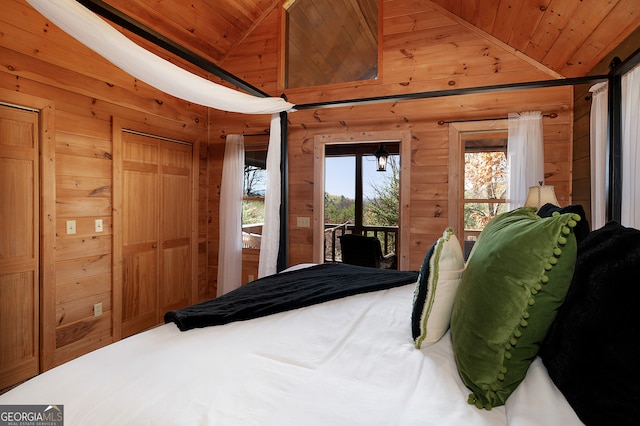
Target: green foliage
252, 211
383, 208
338, 209
379, 210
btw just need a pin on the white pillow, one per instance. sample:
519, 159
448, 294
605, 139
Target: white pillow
436, 288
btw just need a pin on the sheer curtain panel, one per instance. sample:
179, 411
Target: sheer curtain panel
598, 123
270, 244
525, 156
230, 249
630, 209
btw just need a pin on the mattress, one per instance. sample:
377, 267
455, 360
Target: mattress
349, 361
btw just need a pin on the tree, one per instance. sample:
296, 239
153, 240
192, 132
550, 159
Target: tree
253, 204
338, 209
254, 181
485, 179
383, 208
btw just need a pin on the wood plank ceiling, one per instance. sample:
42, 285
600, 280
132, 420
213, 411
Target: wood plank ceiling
568, 36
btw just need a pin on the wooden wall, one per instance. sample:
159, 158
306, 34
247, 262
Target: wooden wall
41, 65
424, 49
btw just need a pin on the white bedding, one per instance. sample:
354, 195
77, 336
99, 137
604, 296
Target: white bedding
346, 362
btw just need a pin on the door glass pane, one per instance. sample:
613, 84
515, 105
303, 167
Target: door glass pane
339, 190
381, 192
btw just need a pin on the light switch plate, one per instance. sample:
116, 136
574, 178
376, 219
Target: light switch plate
304, 222
98, 223
71, 227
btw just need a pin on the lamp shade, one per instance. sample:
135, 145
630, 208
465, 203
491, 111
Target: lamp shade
540, 195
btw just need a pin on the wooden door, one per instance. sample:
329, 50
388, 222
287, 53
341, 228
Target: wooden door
175, 226
19, 254
156, 221
140, 233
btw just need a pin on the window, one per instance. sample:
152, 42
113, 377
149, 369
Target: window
477, 176
485, 181
330, 41
255, 180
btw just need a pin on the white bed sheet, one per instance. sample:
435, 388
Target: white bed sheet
346, 362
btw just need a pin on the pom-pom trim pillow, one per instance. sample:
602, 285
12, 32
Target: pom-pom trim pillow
515, 280
436, 289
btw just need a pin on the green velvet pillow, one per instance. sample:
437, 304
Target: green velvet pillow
515, 280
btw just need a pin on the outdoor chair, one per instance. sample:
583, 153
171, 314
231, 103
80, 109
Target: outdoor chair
365, 251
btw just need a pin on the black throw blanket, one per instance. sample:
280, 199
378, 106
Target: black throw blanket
287, 291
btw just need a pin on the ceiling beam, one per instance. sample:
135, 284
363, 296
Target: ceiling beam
457, 92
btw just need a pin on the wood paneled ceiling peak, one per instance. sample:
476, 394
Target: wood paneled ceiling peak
569, 37
210, 28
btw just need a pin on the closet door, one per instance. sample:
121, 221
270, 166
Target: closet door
175, 226
19, 236
140, 233
156, 221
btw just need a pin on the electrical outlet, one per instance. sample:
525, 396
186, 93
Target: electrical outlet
98, 224
251, 277
97, 309
71, 227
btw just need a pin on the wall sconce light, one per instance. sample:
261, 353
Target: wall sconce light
381, 158
540, 195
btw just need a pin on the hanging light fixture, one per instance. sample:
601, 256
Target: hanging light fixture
540, 195
381, 158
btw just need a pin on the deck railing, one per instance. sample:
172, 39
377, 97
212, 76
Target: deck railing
331, 234
388, 236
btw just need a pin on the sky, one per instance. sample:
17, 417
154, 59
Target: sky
340, 178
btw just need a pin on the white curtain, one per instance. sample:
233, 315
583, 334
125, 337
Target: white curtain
525, 156
630, 152
89, 29
230, 246
270, 242
598, 153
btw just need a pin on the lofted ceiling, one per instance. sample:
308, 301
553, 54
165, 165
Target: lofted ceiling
569, 37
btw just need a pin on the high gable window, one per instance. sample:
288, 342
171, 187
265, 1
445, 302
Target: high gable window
330, 41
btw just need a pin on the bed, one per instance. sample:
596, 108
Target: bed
350, 358
346, 361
